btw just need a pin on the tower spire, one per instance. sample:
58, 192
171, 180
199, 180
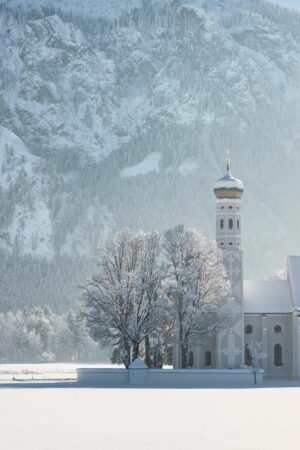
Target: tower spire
227, 160
229, 191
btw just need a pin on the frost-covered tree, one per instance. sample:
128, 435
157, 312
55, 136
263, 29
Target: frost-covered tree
125, 302
78, 334
255, 355
39, 335
197, 285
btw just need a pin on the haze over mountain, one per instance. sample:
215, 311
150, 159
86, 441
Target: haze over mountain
288, 3
119, 114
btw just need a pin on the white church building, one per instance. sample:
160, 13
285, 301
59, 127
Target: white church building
267, 312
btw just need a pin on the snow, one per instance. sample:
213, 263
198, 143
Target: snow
45, 372
293, 267
149, 164
267, 297
228, 181
288, 3
21, 155
188, 167
70, 87
89, 8
29, 225
274, 296
138, 363
113, 419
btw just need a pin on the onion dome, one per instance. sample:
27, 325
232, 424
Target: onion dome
228, 186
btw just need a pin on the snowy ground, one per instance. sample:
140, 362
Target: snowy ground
52, 418
42, 372
42, 408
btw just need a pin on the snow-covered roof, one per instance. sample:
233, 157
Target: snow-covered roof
293, 274
267, 297
229, 182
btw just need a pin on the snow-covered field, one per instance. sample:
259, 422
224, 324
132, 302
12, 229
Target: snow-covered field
42, 372
38, 412
48, 418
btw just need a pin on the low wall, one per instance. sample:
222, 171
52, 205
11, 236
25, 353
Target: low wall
168, 377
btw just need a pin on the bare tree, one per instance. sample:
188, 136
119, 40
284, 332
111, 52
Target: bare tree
125, 302
197, 285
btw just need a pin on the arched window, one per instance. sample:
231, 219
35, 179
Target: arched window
208, 359
278, 355
230, 207
248, 329
248, 358
238, 224
222, 224
230, 223
277, 329
191, 359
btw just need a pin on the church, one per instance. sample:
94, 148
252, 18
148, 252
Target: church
266, 312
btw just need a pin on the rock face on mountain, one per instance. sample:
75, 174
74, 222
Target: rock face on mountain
124, 114
25, 215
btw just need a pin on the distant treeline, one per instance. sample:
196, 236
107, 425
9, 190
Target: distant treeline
39, 335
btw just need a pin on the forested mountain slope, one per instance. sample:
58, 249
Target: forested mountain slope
120, 114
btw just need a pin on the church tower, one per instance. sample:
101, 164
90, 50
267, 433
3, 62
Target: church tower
230, 341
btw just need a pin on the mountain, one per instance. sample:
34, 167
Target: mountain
25, 215
124, 111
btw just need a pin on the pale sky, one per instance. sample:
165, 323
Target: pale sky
288, 3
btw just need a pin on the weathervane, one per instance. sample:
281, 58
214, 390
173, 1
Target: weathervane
227, 160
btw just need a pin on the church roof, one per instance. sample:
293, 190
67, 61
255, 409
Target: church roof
267, 296
228, 186
229, 182
293, 274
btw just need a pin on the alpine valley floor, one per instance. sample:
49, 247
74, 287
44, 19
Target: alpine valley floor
51, 417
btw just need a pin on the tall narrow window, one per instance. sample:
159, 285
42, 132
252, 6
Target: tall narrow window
208, 359
230, 223
238, 224
222, 224
191, 359
278, 355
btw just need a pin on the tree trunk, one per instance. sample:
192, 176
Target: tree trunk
147, 351
126, 358
135, 351
254, 373
184, 351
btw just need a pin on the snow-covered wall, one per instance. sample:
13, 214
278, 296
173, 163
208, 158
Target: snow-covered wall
167, 377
